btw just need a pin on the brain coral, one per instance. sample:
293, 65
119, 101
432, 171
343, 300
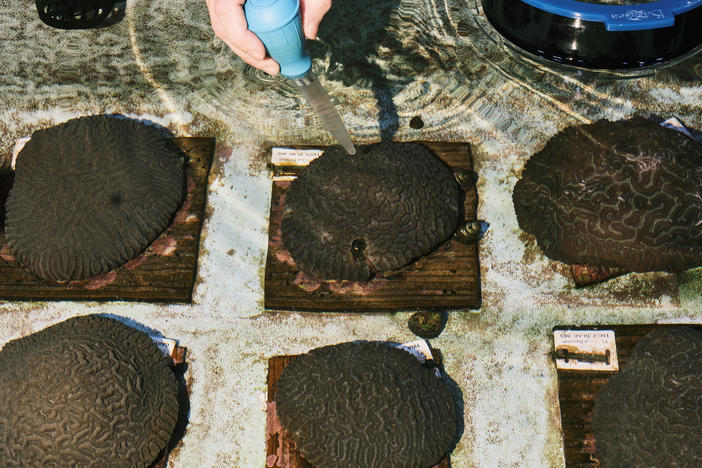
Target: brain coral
622, 194
347, 216
365, 404
88, 392
650, 413
89, 195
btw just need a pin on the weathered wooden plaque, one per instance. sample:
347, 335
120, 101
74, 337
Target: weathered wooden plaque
165, 272
281, 451
585, 275
447, 278
577, 391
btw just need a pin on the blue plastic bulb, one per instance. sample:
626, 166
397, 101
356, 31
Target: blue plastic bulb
277, 23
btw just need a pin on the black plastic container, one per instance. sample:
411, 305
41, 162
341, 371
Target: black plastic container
590, 44
75, 14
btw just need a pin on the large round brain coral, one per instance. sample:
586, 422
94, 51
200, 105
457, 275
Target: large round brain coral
347, 217
87, 392
649, 414
89, 195
365, 404
622, 194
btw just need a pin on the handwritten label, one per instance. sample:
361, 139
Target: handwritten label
419, 348
638, 15
294, 157
584, 342
166, 345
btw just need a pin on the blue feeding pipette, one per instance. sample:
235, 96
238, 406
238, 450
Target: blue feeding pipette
277, 23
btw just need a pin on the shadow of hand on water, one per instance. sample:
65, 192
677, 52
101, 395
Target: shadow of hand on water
362, 36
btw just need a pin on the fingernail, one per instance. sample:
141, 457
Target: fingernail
308, 31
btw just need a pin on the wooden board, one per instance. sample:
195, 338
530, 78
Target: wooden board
165, 272
577, 391
585, 275
281, 451
448, 278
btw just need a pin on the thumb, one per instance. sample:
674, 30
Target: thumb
312, 12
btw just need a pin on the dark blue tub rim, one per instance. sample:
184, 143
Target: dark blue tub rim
635, 17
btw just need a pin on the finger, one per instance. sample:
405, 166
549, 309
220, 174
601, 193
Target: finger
312, 12
267, 64
229, 24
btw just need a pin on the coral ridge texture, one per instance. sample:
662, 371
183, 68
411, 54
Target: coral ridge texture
347, 217
624, 194
89, 195
650, 413
366, 404
87, 392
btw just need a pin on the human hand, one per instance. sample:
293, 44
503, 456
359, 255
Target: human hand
229, 24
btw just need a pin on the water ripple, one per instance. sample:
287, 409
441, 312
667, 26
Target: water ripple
439, 59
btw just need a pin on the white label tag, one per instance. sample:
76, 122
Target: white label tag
674, 124
284, 178
166, 345
294, 157
17, 148
571, 343
419, 348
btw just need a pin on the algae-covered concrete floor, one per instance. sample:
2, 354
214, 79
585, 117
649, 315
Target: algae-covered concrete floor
398, 59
